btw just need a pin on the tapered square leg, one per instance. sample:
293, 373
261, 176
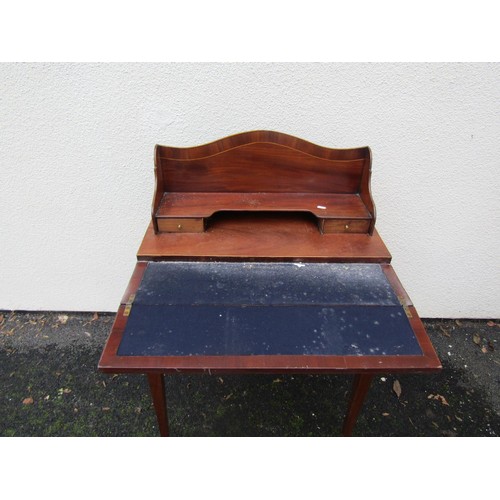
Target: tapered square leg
360, 387
157, 386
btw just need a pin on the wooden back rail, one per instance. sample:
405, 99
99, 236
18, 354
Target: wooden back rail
262, 171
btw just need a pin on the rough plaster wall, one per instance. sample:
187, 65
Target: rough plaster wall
76, 158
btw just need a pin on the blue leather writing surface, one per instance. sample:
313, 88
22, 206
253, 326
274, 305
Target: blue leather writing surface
186, 309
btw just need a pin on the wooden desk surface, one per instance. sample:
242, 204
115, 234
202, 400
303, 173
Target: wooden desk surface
264, 236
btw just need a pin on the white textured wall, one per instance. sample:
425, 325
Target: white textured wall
76, 163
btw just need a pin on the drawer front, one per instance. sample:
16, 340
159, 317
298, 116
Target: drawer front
346, 226
181, 225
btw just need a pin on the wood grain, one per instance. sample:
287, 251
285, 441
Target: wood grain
157, 387
259, 163
264, 237
360, 386
206, 204
262, 167
181, 225
346, 226
256, 136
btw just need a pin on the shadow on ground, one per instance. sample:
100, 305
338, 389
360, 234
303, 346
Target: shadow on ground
51, 387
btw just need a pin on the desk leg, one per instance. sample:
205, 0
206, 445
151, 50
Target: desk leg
157, 386
360, 387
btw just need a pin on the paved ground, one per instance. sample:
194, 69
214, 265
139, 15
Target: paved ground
51, 387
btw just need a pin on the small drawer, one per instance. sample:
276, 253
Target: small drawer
345, 226
182, 225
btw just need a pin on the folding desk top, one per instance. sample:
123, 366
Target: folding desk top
268, 317
243, 309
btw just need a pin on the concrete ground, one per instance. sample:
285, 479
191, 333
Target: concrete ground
51, 387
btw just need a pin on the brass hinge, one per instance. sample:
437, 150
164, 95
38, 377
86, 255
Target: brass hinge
405, 306
128, 305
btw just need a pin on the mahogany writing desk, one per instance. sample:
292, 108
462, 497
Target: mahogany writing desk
262, 257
